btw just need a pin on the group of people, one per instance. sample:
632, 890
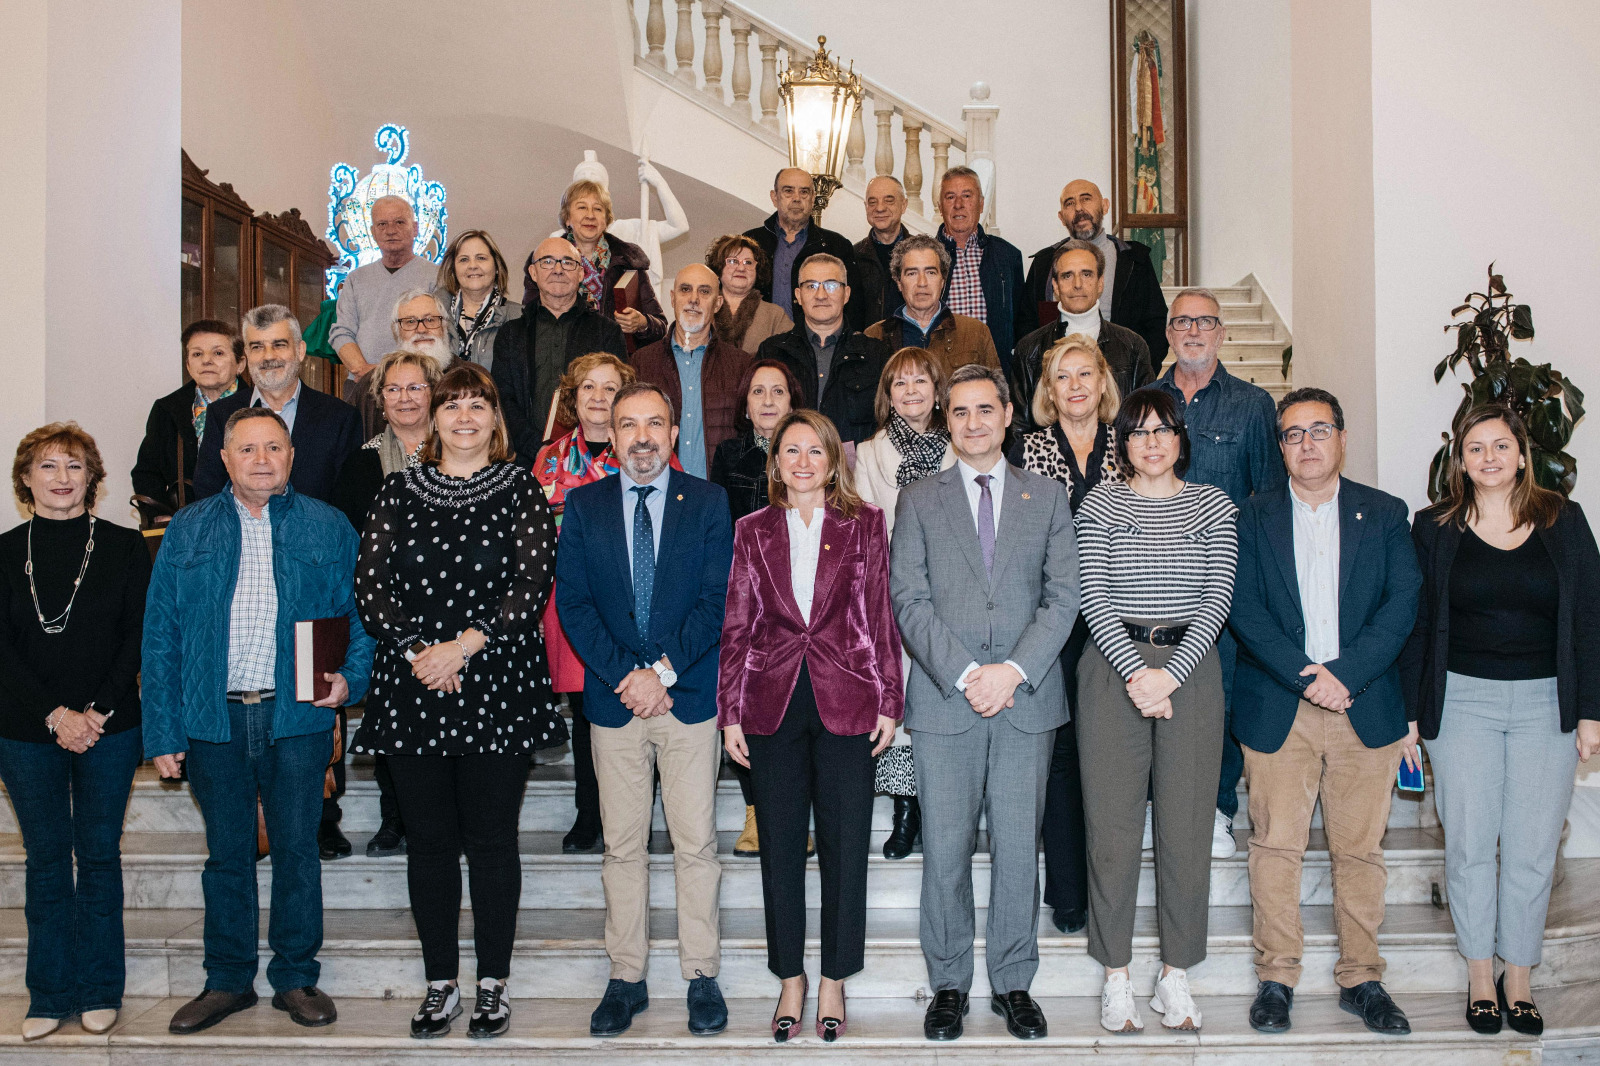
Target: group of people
852, 520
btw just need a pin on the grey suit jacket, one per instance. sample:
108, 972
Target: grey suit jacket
950, 613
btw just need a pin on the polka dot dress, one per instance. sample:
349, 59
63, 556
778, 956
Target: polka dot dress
440, 555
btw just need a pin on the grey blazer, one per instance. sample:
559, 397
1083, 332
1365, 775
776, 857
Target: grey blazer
951, 614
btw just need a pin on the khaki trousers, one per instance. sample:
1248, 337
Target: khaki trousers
624, 763
1322, 755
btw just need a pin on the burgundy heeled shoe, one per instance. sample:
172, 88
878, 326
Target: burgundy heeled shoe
783, 1028
831, 1029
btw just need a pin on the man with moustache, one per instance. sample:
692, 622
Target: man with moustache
532, 352
421, 324
920, 268
325, 431
879, 295
986, 277
641, 580
790, 237
1133, 300
1079, 282
699, 373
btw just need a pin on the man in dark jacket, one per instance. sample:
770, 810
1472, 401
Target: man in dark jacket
790, 237
1133, 300
532, 352
878, 295
986, 280
838, 367
1079, 280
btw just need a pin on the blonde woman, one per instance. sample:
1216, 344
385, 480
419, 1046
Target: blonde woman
586, 212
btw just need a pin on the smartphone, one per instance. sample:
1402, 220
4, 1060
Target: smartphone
1410, 779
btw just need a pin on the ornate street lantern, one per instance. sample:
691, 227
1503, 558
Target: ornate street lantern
819, 103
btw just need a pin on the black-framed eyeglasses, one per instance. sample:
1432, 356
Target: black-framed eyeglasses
1318, 431
1206, 323
550, 262
1164, 434
411, 322
829, 286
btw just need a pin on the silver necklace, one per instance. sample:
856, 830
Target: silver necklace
59, 622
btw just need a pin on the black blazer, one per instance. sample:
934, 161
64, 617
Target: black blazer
1136, 299
852, 382
1378, 583
1426, 658
740, 467
170, 427
327, 431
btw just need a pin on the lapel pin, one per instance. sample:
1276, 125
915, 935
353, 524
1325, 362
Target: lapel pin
680, 500
827, 547
1025, 496
1358, 514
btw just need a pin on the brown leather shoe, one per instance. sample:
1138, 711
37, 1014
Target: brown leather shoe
209, 1008
309, 1006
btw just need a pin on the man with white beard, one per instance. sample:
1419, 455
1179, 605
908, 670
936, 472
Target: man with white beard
420, 318
699, 373
324, 430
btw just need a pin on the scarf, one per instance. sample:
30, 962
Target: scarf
921, 454
731, 327
594, 270
485, 315
763, 443
392, 454
197, 410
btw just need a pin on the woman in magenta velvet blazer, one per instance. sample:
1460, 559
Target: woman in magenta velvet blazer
808, 693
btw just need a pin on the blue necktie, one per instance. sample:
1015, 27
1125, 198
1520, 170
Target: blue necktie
644, 560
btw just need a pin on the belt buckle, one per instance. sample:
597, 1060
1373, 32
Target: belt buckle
250, 696
1159, 638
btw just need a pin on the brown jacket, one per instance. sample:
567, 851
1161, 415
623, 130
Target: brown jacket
720, 376
956, 341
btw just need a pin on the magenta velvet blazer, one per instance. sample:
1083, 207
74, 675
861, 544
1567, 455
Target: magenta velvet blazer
852, 644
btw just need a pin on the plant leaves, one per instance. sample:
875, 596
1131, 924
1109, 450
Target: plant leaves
1555, 470
1457, 311
1466, 338
1288, 356
1522, 322
1438, 371
1437, 470
1547, 425
1497, 284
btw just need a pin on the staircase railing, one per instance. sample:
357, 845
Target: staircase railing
707, 33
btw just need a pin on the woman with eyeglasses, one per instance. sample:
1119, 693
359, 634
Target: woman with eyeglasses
474, 278
586, 212
744, 318
1156, 557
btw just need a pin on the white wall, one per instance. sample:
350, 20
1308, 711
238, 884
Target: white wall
1482, 150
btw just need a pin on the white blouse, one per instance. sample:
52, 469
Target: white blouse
805, 546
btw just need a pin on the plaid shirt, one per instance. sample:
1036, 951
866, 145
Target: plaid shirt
253, 618
965, 296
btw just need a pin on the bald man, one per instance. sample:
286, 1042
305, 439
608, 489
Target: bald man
1132, 297
789, 237
879, 294
361, 329
532, 352
700, 373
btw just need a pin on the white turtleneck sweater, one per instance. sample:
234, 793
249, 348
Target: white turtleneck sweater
1087, 323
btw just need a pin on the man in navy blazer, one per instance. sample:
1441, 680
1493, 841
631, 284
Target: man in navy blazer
1325, 597
324, 430
641, 580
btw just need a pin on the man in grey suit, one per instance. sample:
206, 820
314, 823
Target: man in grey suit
984, 576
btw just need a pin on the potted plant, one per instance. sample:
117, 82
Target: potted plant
1549, 403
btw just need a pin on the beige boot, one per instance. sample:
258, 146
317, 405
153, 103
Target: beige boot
748, 843
98, 1021
34, 1028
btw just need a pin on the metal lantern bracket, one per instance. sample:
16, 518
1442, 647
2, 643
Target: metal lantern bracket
819, 103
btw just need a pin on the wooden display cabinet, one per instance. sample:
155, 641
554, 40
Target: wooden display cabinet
290, 267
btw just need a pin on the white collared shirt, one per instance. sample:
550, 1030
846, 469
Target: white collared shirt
805, 549
1316, 568
291, 406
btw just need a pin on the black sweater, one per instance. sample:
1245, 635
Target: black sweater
96, 658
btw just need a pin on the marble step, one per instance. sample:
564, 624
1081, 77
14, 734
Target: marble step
547, 806
880, 1031
561, 953
162, 870
1247, 330
1225, 294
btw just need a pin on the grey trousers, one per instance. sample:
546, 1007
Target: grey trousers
1120, 750
999, 771
1502, 774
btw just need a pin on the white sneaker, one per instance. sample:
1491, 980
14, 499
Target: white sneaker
1118, 1012
1223, 846
1149, 842
439, 1008
1173, 1001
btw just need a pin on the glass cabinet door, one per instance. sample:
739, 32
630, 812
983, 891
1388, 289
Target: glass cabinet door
191, 260
275, 273
227, 288
308, 290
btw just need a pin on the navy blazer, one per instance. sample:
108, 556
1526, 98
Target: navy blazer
327, 431
594, 595
1378, 585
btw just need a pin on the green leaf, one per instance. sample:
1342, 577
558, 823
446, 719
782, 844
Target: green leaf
1437, 470
1497, 284
1466, 337
1438, 371
1547, 425
1288, 356
1555, 470
1457, 311
1522, 322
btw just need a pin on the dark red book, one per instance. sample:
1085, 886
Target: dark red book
319, 648
1049, 311
625, 297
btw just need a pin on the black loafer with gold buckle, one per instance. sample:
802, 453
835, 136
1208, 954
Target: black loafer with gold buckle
1522, 1016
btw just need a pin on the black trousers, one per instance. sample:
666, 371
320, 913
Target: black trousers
1066, 864
451, 804
586, 790
797, 770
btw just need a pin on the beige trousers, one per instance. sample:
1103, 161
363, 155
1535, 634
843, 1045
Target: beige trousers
624, 764
1322, 755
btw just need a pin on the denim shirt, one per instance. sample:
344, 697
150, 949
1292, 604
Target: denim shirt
185, 650
1233, 439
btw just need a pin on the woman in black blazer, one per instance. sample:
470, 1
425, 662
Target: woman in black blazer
1496, 678
163, 473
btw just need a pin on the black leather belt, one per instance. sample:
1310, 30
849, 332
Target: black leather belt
251, 695
1156, 636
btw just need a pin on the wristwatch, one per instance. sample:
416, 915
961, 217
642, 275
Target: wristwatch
668, 676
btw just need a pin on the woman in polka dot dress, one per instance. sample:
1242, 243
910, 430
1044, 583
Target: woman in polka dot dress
457, 562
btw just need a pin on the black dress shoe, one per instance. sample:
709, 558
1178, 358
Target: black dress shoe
1024, 1019
907, 827
943, 1020
1522, 1016
1270, 1012
1483, 1015
1069, 921
1369, 1002
390, 839
331, 843
582, 838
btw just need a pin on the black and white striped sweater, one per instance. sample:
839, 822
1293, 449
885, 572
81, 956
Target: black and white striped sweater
1171, 559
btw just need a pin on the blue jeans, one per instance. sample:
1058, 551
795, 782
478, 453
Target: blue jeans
70, 804
1232, 756
225, 779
